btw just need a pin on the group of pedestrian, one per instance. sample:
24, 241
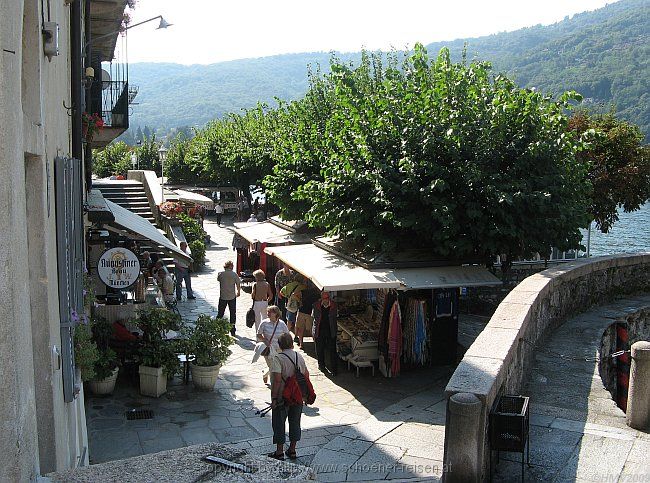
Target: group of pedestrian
288, 299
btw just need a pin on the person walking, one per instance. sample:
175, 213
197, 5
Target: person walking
282, 278
304, 318
283, 366
228, 282
218, 210
183, 273
270, 329
325, 315
262, 295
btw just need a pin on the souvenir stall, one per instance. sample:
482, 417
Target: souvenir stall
250, 240
391, 316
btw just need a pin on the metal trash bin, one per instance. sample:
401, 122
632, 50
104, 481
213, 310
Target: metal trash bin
510, 427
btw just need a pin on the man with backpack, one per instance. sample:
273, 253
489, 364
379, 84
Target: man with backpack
289, 387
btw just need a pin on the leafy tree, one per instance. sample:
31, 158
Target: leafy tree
179, 167
619, 166
431, 155
138, 135
113, 159
237, 150
148, 157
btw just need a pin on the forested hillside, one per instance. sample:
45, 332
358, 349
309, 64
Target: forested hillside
604, 55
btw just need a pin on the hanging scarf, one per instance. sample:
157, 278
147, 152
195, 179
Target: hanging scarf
395, 339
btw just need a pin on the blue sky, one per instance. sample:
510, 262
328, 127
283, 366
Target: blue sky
209, 31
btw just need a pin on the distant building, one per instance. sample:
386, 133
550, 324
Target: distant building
45, 54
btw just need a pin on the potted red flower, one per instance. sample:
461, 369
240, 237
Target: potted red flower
90, 125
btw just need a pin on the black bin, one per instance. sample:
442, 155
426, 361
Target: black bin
509, 426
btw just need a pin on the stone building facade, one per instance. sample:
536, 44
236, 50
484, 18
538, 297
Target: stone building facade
42, 418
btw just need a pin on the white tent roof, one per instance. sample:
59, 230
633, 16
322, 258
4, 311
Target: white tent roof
260, 232
137, 225
331, 272
445, 277
190, 197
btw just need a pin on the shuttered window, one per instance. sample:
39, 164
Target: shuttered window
69, 239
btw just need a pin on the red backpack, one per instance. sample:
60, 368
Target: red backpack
297, 388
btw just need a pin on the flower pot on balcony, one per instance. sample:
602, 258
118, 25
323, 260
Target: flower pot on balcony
153, 382
204, 377
104, 386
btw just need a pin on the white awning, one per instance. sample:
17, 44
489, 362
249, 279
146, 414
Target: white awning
135, 224
197, 199
445, 277
260, 232
330, 272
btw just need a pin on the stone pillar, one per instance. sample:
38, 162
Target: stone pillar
638, 399
463, 459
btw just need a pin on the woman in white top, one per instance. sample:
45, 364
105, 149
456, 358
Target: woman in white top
269, 331
262, 295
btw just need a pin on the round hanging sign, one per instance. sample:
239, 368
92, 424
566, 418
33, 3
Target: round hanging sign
118, 268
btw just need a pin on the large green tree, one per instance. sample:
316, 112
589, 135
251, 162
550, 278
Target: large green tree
113, 159
431, 154
236, 150
618, 165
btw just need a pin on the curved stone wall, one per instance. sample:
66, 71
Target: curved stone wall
498, 361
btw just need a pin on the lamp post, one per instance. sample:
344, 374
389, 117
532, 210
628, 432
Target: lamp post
162, 154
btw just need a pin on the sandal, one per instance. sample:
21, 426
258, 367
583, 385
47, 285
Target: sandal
291, 455
276, 456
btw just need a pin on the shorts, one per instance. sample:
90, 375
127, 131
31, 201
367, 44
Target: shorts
305, 322
291, 317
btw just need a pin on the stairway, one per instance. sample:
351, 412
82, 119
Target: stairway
128, 194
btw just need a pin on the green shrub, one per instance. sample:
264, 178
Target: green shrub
86, 353
209, 340
198, 251
155, 350
191, 228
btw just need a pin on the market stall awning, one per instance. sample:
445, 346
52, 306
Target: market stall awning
445, 277
330, 272
197, 199
141, 228
260, 232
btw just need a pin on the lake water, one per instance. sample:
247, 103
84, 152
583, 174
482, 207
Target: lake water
631, 233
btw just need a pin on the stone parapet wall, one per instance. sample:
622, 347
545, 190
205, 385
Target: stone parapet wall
152, 188
499, 360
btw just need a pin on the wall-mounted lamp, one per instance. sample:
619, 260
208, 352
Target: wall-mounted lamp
162, 25
89, 77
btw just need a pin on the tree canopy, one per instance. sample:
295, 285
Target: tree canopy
431, 154
618, 165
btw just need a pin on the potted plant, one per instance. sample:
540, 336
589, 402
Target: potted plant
157, 355
209, 343
91, 124
86, 353
171, 209
106, 366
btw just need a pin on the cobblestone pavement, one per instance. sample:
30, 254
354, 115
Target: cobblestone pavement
345, 404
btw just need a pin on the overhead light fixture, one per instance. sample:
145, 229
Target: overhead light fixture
162, 25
